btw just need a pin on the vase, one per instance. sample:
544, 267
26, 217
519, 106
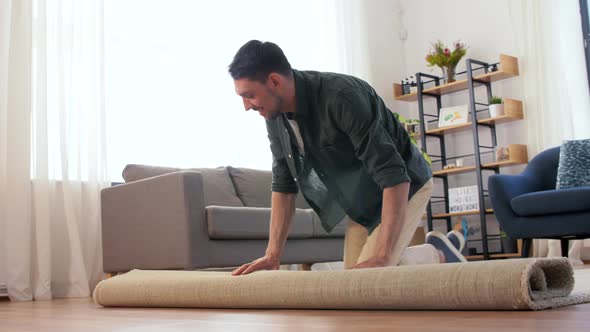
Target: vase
448, 74
496, 110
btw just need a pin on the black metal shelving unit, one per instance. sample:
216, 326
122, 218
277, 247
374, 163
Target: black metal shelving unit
477, 74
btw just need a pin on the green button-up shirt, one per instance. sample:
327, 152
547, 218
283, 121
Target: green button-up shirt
354, 148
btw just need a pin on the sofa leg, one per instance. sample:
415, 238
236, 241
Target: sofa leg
305, 267
526, 247
565, 247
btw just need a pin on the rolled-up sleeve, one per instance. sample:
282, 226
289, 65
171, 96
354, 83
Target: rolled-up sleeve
282, 179
361, 122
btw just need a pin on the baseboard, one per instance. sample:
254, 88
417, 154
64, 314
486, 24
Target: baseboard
3, 290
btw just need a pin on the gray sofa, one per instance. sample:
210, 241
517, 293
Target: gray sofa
170, 218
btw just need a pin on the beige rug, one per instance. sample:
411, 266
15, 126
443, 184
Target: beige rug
515, 284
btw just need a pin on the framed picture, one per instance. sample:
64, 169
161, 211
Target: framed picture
455, 115
463, 199
502, 153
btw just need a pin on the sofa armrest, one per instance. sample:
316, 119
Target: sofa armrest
502, 189
155, 223
556, 201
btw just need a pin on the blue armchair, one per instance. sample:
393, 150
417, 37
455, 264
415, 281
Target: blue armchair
527, 206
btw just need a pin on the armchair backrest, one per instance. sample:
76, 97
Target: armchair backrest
543, 169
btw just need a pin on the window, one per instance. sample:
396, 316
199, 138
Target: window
169, 98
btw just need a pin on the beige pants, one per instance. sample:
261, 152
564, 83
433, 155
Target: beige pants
359, 246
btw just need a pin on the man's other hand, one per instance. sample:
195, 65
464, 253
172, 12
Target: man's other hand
372, 262
263, 263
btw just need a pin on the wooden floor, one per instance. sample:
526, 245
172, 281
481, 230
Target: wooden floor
72, 315
83, 315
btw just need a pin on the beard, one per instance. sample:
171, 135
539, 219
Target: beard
275, 110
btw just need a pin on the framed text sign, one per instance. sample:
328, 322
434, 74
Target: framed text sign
463, 199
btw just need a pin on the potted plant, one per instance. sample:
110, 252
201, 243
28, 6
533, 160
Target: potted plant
447, 60
414, 124
496, 107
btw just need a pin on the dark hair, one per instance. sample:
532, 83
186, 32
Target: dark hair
256, 60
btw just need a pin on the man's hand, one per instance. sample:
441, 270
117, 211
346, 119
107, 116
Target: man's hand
372, 262
263, 263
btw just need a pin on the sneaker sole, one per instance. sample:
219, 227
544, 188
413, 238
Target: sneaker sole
441, 237
459, 237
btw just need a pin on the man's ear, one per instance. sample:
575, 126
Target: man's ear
275, 80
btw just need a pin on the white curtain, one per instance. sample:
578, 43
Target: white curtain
53, 151
15, 105
352, 42
555, 83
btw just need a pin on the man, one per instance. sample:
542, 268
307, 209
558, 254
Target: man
333, 139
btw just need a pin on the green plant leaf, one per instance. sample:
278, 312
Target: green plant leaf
495, 100
402, 119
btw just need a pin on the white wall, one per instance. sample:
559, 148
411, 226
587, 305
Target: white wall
384, 63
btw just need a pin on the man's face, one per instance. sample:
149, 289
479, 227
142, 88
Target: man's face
261, 97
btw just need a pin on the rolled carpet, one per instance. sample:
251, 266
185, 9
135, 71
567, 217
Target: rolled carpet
515, 284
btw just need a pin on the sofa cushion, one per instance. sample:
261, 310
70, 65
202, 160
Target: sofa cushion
318, 230
552, 202
252, 223
217, 185
574, 164
254, 187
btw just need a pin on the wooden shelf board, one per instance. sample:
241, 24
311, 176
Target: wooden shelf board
407, 97
465, 126
518, 156
499, 119
466, 169
456, 170
508, 68
512, 112
449, 129
503, 163
480, 257
457, 214
511, 115
444, 89
440, 90
495, 76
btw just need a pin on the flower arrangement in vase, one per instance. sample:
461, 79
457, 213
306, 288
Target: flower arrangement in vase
447, 60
